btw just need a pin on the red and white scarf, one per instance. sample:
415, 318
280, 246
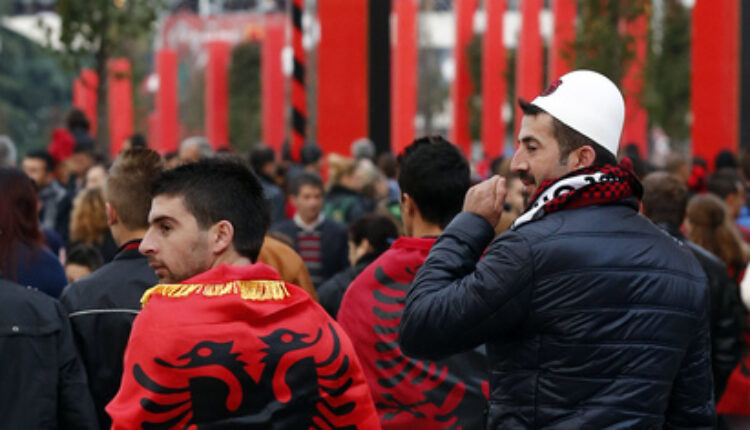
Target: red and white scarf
588, 186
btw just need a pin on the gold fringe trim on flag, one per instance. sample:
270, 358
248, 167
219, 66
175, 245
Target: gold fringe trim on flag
248, 290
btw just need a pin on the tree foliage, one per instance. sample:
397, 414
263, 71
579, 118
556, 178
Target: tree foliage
97, 30
601, 44
667, 89
244, 97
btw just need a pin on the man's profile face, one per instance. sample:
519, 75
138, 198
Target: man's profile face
537, 157
36, 169
309, 202
176, 247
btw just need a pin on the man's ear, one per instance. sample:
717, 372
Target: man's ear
584, 157
407, 204
111, 214
222, 236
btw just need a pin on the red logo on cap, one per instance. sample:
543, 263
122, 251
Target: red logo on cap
551, 88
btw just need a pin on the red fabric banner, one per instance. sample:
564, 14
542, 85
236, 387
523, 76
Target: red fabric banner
217, 94
529, 56
408, 393
272, 90
635, 129
715, 77
462, 88
565, 33
120, 99
494, 87
84, 96
342, 74
236, 347
166, 102
403, 74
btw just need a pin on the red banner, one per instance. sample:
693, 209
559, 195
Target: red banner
84, 96
166, 102
715, 77
635, 129
494, 87
217, 94
462, 88
403, 74
272, 90
342, 74
529, 56
565, 33
120, 98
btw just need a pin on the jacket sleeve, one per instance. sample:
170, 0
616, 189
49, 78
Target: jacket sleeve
726, 331
691, 403
75, 406
457, 301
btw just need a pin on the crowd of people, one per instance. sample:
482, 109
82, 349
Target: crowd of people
572, 285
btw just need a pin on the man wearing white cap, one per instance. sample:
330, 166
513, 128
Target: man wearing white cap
593, 318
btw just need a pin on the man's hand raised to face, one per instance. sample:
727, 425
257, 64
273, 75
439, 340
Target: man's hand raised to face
487, 199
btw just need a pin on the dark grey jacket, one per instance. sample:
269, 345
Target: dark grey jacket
593, 318
42, 380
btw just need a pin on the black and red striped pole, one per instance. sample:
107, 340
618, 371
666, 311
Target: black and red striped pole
299, 95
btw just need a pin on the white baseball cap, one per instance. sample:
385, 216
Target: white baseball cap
589, 103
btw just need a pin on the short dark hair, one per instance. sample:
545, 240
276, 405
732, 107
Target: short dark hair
379, 230
665, 198
260, 156
128, 185
724, 182
41, 154
76, 120
568, 138
85, 255
305, 178
310, 153
221, 189
436, 176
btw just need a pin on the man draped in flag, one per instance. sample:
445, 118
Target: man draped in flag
223, 342
409, 393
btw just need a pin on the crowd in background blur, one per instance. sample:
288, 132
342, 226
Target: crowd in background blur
334, 214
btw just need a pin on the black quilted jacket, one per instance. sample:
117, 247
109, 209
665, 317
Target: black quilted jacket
593, 318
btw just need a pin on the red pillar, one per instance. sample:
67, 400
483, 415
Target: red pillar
120, 98
635, 129
565, 33
166, 102
342, 74
494, 87
404, 74
528, 56
272, 90
84, 96
217, 94
299, 92
462, 88
715, 77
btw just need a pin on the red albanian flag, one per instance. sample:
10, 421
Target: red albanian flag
236, 347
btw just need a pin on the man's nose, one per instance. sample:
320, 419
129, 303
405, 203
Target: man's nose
147, 244
518, 162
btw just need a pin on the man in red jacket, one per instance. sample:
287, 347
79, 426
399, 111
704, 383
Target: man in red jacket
410, 393
223, 342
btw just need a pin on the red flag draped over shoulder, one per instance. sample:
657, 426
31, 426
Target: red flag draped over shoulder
236, 346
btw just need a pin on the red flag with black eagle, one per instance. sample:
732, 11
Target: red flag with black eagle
236, 347
409, 393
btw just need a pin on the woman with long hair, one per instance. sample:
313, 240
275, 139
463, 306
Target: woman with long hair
344, 202
88, 223
23, 255
707, 225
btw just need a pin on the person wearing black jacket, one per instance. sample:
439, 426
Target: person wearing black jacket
592, 316
664, 202
369, 236
102, 306
43, 380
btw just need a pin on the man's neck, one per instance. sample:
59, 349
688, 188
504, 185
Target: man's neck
123, 236
425, 229
231, 258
